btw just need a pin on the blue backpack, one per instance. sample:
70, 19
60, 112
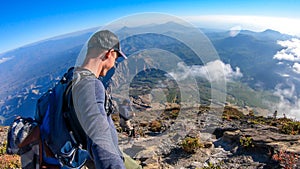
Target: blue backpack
54, 138
63, 141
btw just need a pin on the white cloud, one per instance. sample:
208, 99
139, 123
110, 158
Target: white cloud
255, 23
289, 103
283, 93
284, 75
296, 68
2, 60
213, 71
281, 55
290, 109
280, 63
291, 51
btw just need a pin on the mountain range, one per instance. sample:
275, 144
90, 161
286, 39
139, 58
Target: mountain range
254, 75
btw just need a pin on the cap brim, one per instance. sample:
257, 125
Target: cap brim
121, 56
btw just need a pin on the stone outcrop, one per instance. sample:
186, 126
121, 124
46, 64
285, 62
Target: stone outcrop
227, 143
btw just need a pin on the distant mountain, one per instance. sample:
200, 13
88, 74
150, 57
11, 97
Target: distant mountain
268, 34
29, 71
32, 70
253, 53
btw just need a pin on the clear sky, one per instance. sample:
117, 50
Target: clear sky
26, 21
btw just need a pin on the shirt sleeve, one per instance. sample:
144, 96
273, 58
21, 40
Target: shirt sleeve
125, 112
88, 98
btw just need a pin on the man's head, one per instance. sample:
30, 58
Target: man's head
103, 49
105, 40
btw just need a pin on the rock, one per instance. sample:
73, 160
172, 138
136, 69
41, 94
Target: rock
172, 106
151, 163
145, 154
231, 136
149, 159
193, 134
221, 140
142, 101
207, 144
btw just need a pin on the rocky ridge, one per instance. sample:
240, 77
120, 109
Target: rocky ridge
232, 140
227, 142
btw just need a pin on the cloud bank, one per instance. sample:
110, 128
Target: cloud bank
2, 60
289, 103
290, 56
247, 22
291, 52
287, 92
296, 68
212, 71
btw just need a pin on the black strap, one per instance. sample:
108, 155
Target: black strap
71, 119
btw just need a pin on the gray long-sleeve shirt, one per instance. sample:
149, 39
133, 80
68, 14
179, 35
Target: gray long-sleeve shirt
125, 112
88, 100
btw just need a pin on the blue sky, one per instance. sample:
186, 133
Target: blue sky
25, 22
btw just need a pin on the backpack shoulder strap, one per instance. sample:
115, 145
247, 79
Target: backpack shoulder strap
77, 133
109, 105
72, 121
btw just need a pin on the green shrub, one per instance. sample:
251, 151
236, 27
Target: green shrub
231, 113
8, 161
174, 113
292, 128
246, 142
3, 148
155, 126
190, 144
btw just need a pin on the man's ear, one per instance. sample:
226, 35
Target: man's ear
107, 54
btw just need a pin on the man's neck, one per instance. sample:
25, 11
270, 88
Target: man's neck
94, 66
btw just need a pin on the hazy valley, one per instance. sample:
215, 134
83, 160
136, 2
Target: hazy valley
252, 75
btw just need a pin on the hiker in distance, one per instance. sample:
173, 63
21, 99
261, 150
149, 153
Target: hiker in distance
126, 114
103, 49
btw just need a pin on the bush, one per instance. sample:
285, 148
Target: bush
292, 128
174, 113
285, 159
190, 144
155, 126
246, 142
8, 161
231, 113
3, 148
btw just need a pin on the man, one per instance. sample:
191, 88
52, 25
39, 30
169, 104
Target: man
125, 117
103, 49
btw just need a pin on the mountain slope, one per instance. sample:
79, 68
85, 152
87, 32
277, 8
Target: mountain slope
31, 70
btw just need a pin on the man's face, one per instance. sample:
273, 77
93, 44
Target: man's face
114, 57
111, 57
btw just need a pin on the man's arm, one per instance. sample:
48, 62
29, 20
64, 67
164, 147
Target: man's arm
89, 106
